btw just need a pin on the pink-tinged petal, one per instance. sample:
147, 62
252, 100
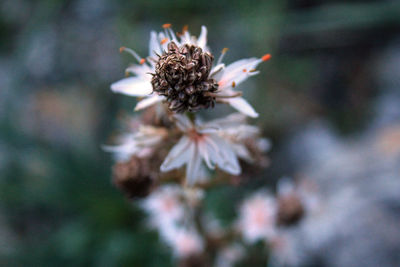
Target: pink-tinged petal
178, 155
132, 86
154, 45
202, 41
148, 101
242, 106
193, 166
238, 71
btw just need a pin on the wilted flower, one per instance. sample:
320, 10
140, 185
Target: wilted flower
133, 177
181, 72
257, 217
140, 143
217, 143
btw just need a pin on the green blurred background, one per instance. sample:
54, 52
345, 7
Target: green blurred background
58, 59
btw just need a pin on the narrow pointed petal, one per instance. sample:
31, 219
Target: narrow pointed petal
132, 86
204, 152
226, 159
216, 72
178, 155
242, 106
238, 71
122, 152
142, 71
154, 45
163, 41
202, 41
149, 101
193, 166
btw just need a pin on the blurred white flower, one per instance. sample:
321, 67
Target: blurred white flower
257, 217
184, 242
164, 207
140, 143
217, 143
226, 77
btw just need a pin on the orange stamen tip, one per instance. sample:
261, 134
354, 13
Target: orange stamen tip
121, 49
185, 28
142, 61
166, 25
244, 70
233, 84
266, 57
163, 41
252, 70
225, 50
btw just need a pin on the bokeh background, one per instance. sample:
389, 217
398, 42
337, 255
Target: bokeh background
329, 100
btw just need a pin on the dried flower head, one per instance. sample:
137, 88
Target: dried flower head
182, 76
290, 209
180, 71
133, 177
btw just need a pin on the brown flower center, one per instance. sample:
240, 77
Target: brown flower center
182, 76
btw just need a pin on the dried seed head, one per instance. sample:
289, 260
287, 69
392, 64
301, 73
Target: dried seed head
182, 76
290, 210
133, 178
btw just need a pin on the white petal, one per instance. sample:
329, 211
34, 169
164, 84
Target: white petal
154, 45
238, 71
142, 71
242, 105
164, 46
132, 86
122, 152
223, 155
185, 38
231, 121
216, 72
202, 41
242, 152
193, 166
204, 152
148, 101
178, 155
183, 122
